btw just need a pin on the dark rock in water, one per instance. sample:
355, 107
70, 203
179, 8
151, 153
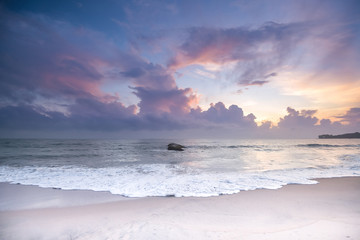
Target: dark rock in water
175, 147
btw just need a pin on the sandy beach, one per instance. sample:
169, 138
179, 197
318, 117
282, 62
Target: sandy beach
328, 210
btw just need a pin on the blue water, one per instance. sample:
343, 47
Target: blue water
140, 168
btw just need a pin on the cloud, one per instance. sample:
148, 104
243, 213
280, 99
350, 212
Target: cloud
25, 117
46, 61
220, 115
298, 119
175, 101
304, 124
145, 74
257, 52
43, 57
217, 121
352, 116
322, 52
85, 114
135, 72
93, 115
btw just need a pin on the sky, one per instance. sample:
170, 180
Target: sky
179, 69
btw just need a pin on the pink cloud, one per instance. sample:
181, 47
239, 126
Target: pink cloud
257, 52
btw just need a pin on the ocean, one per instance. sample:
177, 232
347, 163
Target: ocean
142, 168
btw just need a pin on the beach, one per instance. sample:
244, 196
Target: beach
179, 120
327, 210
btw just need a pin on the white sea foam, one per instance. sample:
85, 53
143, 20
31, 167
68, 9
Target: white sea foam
161, 180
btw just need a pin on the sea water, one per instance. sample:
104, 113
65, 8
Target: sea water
140, 168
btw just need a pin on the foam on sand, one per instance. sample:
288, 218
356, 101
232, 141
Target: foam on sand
164, 180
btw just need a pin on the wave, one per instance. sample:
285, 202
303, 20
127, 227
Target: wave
316, 145
274, 147
225, 146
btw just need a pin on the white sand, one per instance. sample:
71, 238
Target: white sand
329, 210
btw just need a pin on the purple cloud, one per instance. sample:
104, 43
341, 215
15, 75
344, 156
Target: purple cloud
92, 115
303, 124
352, 116
220, 115
175, 101
257, 52
145, 74
296, 119
41, 57
51, 61
26, 117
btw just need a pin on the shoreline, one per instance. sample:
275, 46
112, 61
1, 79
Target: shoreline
109, 196
329, 209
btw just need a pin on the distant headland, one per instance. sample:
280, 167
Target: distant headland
346, 135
